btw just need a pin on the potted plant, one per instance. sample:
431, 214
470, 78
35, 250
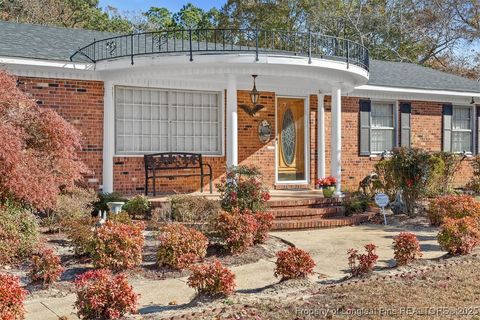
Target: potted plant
327, 185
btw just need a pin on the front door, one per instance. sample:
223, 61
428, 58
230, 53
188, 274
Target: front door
291, 140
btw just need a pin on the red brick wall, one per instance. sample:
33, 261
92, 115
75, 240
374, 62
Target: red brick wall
81, 104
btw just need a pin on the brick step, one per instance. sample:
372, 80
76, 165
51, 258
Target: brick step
306, 213
319, 223
302, 203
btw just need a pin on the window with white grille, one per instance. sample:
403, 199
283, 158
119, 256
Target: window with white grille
383, 126
462, 129
156, 120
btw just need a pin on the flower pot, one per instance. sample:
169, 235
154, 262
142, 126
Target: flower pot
328, 191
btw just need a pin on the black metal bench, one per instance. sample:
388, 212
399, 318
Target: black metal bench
156, 165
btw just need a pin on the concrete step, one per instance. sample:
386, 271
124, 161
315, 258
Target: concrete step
303, 213
303, 203
318, 223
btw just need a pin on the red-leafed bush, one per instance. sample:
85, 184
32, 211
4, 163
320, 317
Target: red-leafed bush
212, 279
293, 263
46, 267
454, 206
100, 295
406, 248
361, 264
459, 236
118, 246
264, 224
12, 296
237, 229
181, 246
39, 149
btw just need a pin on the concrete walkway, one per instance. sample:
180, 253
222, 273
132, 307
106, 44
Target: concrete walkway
327, 246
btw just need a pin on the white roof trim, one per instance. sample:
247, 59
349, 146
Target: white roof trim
393, 90
46, 63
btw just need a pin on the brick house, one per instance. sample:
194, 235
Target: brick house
327, 108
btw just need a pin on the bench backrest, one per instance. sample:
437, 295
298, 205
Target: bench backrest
173, 160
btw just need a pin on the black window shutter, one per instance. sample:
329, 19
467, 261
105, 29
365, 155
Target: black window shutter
364, 132
447, 127
477, 126
405, 124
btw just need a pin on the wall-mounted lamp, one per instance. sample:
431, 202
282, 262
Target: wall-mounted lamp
473, 101
254, 96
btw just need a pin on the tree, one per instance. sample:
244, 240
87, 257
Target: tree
38, 156
65, 13
188, 17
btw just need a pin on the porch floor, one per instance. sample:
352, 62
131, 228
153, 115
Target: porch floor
276, 195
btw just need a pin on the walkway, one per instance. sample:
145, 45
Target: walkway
327, 246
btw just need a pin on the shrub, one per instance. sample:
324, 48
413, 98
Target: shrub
237, 230
12, 296
104, 198
18, 234
181, 246
406, 248
356, 203
70, 206
361, 264
118, 246
81, 233
293, 263
459, 236
39, 149
212, 279
264, 224
137, 205
100, 295
444, 167
454, 206
243, 189
474, 183
46, 267
199, 211
408, 170
121, 217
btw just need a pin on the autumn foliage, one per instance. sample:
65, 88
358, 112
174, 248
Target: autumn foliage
181, 246
237, 229
118, 246
293, 263
39, 149
101, 295
362, 264
406, 248
452, 206
46, 267
12, 296
212, 279
459, 236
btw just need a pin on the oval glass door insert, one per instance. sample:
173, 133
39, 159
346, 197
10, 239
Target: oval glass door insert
288, 137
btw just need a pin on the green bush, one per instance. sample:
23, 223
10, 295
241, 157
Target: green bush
198, 211
18, 234
444, 167
356, 202
137, 205
71, 205
408, 170
104, 198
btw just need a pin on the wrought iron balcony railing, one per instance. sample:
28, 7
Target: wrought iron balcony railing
210, 41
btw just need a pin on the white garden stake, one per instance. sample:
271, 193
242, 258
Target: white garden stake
381, 199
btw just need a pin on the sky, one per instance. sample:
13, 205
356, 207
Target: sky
172, 5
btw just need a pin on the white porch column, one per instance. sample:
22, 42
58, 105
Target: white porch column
336, 147
232, 122
320, 136
108, 136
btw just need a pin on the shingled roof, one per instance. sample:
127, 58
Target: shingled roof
53, 43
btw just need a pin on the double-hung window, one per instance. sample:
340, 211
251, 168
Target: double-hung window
462, 129
155, 120
382, 126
